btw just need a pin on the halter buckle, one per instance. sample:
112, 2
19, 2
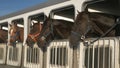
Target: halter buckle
43, 38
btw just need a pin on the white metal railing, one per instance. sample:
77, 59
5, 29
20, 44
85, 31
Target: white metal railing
33, 57
104, 53
14, 55
59, 54
2, 53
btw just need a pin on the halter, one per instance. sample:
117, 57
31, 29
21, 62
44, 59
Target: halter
14, 37
33, 36
50, 32
82, 36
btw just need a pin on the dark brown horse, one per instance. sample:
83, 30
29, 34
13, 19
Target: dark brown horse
16, 34
91, 25
54, 29
3, 36
34, 33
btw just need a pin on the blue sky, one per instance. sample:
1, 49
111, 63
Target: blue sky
9, 6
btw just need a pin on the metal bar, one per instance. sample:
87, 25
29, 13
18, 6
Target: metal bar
35, 55
55, 56
109, 56
103, 53
59, 57
98, 53
88, 56
93, 56
12, 55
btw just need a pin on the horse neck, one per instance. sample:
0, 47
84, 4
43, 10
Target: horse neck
63, 29
103, 19
21, 30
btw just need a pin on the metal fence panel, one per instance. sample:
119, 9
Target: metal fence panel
2, 53
33, 57
14, 55
102, 54
59, 54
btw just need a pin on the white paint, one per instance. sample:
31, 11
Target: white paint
93, 10
5, 28
19, 25
63, 18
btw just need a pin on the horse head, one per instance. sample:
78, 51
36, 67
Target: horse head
80, 28
90, 25
46, 34
34, 33
16, 34
54, 29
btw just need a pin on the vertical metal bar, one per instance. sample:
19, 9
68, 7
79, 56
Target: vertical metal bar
55, 56
12, 55
59, 57
66, 56
114, 53
88, 56
35, 56
30, 55
109, 55
93, 56
52, 55
62, 55
103, 53
98, 53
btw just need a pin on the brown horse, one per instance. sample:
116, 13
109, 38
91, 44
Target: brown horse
3, 36
54, 29
34, 33
91, 25
16, 34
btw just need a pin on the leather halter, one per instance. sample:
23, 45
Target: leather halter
33, 36
50, 32
14, 37
82, 36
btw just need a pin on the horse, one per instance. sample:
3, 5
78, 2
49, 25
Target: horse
91, 25
54, 29
34, 33
3, 36
16, 34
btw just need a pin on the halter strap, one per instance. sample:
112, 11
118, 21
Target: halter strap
33, 36
16, 34
50, 32
82, 36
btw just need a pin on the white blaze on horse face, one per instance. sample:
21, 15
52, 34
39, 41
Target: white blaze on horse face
11, 31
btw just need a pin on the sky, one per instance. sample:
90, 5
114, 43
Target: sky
9, 6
